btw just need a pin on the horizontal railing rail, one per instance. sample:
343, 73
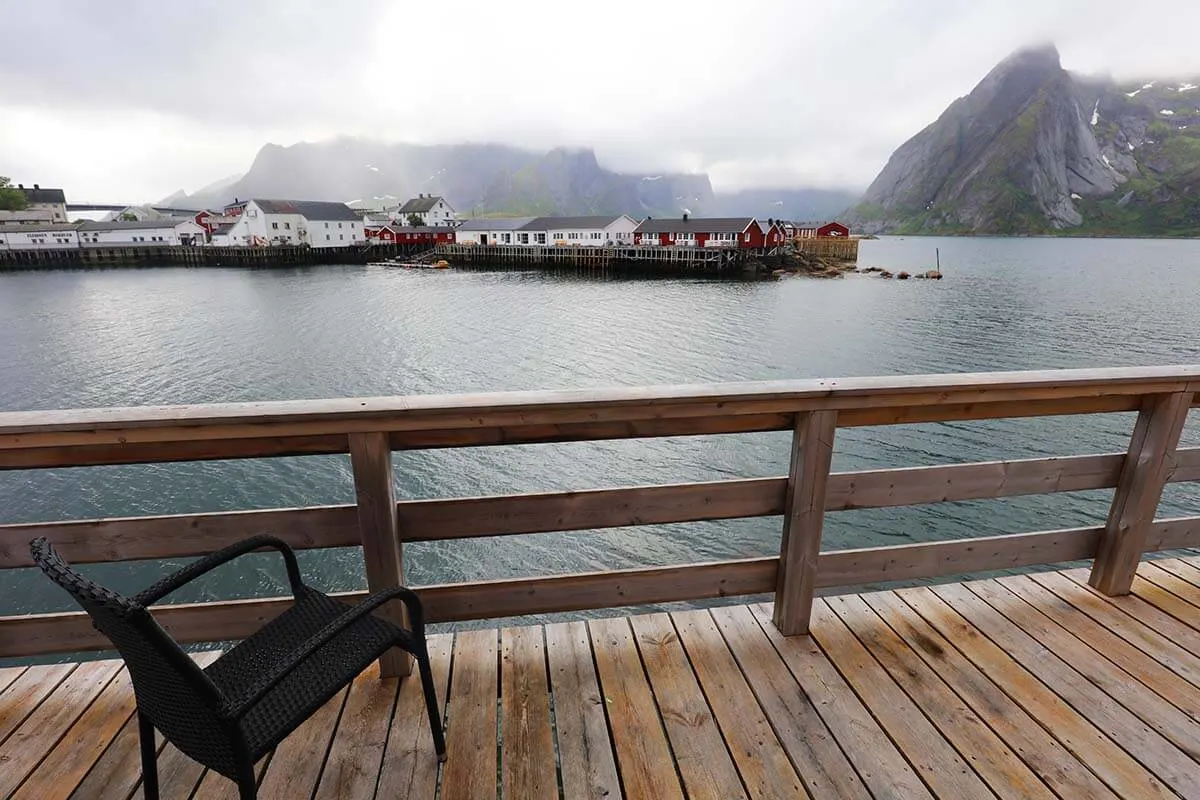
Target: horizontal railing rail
370, 429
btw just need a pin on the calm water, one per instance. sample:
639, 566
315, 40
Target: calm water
135, 337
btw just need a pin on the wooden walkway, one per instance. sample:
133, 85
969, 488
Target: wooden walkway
1028, 686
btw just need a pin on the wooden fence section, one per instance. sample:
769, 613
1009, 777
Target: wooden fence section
369, 428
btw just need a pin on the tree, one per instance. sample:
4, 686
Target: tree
415, 221
11, 198
127, 216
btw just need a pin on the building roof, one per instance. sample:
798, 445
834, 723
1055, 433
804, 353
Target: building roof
695, 225
321, 210
222, 228
47, 228
496, 224
32, 216
571, 223
39, 195
146, 224
419, 205
813, 224
419, 228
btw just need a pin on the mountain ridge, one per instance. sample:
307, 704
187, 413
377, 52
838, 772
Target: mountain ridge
1035, 149
491, 179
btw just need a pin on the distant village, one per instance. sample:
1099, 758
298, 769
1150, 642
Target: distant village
427, 220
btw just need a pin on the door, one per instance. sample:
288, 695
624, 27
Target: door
483, 238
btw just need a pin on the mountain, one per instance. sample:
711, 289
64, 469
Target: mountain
475, 178
1035, 149
181, 199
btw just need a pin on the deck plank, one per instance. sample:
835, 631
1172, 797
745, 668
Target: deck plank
1163, 622
1175, 605
810, 745
1095, 665
1134, 631
115, 774
1137, 663
352, 766
410, 765
643, 755
84, 743
26, 692
295, 768
527, 766
1002, 769
876, 759
8, 675
1112, 763
761, 760
704, 762
934, 758
1171, 582
587, 762
40, 732
1044, 754
470, 769
1181, 568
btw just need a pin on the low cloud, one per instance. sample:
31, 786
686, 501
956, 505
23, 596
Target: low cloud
132, 100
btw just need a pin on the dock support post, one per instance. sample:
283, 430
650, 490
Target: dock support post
375, 490
804, 516
1148, 463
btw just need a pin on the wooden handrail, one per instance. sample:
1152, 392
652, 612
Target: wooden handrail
369, 429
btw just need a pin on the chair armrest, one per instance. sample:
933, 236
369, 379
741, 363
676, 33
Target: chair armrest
239, 704
197, 568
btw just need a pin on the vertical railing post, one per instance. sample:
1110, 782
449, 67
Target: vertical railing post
1148, 464
804, 515
375, 491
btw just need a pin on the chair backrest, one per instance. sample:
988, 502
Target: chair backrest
171, 689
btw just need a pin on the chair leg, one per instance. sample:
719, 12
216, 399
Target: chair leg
149, 757
431, 704
247, 783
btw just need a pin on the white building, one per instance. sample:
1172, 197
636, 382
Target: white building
605, 231
505, 230
431, 210
263, 223
39, 237
156, 232
52, 200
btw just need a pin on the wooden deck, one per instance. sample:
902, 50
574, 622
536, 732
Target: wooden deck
1028, 686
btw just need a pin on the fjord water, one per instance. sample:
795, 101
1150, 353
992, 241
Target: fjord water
164, 336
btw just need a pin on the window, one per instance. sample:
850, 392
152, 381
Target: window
327, 235
274, 226
747, 237
523, 238
340, 236
287, 225
339, 224
326, 226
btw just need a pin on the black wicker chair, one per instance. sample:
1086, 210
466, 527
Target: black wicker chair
236, 710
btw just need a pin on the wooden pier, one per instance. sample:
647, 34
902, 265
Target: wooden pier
187, 256
1071, 683
836, 248
1033, 686
712, 261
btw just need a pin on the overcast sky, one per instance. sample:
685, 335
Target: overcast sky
129, 100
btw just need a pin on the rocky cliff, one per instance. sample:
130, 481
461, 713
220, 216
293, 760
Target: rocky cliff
1035, 149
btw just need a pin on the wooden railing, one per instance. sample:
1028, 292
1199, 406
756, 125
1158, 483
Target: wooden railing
370, 429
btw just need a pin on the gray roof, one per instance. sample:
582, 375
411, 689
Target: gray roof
695, 225
571, 223
419, 205
40, 195
496, 224
223, 228
147, 224
60, 227
309, 209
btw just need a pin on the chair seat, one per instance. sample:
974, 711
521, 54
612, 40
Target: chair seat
307, 687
